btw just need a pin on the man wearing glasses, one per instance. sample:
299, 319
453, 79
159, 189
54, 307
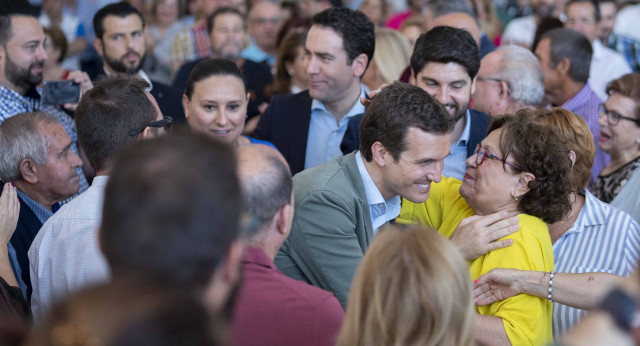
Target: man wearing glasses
265, 19
65, 257
509, 79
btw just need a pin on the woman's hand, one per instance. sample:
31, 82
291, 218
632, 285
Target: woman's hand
478, 235
497, 284
9, 213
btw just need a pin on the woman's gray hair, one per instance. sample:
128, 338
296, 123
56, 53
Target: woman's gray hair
521, 70
21, 138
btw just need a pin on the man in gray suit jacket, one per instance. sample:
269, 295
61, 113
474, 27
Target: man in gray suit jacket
339, 206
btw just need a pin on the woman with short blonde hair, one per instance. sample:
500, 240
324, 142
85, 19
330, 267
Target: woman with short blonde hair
411, 288
390, 59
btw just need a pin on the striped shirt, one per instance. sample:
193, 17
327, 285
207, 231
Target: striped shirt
190, 44
585, 104
602, 239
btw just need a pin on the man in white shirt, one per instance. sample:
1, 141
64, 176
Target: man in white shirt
521, 31
606, 64
65, 257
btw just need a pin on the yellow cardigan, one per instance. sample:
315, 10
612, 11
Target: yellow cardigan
527, 319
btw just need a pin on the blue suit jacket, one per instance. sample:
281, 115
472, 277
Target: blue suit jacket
479, 126
285, 123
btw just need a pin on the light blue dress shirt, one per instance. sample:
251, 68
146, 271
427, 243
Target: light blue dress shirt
455, 163
325, 135
382, 211
255, 54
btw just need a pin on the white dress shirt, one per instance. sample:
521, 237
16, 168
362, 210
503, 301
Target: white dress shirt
65, 256
606, 65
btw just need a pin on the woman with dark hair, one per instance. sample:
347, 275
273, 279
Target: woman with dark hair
291, 76
522, 168
619, 136
215, 101
594, 247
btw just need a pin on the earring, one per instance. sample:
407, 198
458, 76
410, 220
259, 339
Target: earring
515, 198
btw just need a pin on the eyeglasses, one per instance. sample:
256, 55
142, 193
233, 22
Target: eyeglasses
614, 117
165, 122
264, 21
483, 153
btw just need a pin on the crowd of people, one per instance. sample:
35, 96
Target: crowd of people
325, 172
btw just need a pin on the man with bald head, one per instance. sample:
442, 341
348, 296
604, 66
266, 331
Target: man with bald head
267, 296
509, 79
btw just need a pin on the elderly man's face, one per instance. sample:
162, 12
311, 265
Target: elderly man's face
57, 177
24, 55
264, 24
487, 97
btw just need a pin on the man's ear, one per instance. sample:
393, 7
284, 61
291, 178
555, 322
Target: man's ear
28, 171
359, 65
379, 153
283, 219
97, 44
225, 277
563, 66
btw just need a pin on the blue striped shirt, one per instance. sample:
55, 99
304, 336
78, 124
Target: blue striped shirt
603, 239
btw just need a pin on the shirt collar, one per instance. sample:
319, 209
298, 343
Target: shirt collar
142, 75
357, 107
373, 194
254, 255
579, 98
40, 211
464, 138
598, 49
591, 214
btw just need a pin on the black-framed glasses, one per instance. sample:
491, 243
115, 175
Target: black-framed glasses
165, 122
614, 117
482, 153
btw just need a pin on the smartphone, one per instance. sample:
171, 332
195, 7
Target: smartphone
59, 92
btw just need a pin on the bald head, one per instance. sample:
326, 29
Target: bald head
266, 185
458, 20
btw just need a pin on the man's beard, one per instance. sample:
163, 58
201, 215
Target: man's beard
460, 111
22, 78
222, 54
119, 66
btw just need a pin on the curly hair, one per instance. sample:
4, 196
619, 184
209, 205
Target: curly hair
579, 140
356, 29
445, 44
542, 151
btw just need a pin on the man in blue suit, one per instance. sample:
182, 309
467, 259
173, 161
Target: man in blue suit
444, 63
310, 128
